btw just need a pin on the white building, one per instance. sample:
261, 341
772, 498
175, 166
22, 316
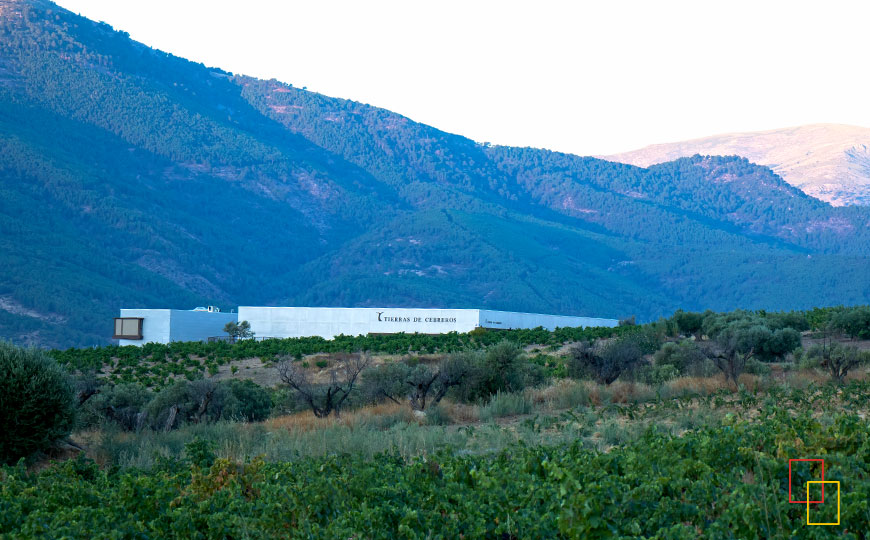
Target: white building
284, 322
140, 326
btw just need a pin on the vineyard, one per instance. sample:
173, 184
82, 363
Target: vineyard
727, 479
155, 364
713, 425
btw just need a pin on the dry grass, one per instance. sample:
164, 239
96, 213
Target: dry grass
619, 392
696, 385
631, 392
461, 413
598, 394
562, 394
751, 382
306, 421
806, 377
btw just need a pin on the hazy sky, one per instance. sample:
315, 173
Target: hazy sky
582, 77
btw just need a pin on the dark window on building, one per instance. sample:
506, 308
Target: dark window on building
128, 328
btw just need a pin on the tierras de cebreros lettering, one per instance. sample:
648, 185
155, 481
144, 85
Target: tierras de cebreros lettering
386, 318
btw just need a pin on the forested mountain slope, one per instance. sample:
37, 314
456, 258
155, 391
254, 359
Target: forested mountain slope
130, 177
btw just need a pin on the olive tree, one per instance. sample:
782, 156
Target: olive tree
502, 368
605, 361
680, 355
422, 385
854, 322
193, 402
842, 359
734, 345
240, 330
837, 359
122, 404
327, 397
688, 322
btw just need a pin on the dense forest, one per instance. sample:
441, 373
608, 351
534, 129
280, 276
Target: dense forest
133, 178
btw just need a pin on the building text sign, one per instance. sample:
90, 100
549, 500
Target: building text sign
388, 318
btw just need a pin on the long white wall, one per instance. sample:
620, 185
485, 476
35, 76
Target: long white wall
165, 325
283, 322
511, 319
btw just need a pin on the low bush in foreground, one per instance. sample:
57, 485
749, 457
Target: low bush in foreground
36, 402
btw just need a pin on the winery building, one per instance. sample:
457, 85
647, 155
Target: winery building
139, 326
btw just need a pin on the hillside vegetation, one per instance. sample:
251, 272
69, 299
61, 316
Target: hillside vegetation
133, 178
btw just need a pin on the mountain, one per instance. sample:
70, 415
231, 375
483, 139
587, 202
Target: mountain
133, 178
828, 161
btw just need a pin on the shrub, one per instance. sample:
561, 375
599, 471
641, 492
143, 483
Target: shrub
188, 402
533, 375
122, 404
614, 433
505, 404
789, 319
656, 375
550, 365
37, 404
604, 361
200, 452
688, 322
781, 342
250, 402
501, 368
705, 368
564, 394
854, 322
386, 381
437, 416
812, 357
754, 367
679, 355
648, 338
628, 321
284, 401
421, 384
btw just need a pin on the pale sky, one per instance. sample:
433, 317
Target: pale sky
582, 77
